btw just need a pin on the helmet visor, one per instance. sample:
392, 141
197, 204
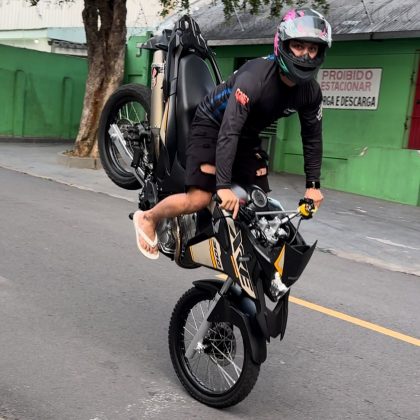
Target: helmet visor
307, 28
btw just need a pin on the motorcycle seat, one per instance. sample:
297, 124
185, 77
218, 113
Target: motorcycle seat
194, 83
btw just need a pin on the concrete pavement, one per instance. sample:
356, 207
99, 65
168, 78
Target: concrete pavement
359, 228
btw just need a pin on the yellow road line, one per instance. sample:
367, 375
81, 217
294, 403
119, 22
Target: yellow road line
348, 318
356, 321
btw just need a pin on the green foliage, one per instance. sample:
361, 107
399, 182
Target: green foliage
253, 6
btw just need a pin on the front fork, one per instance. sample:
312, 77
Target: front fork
197, 341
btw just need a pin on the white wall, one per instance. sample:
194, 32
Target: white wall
39, 44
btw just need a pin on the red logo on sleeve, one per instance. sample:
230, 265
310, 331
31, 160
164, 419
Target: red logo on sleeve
241, 97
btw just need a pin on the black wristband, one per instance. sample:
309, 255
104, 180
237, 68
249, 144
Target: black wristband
313, 184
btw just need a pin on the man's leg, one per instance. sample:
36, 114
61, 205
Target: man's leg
172, 206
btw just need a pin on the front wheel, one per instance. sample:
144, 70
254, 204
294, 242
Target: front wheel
222, 373
129, 108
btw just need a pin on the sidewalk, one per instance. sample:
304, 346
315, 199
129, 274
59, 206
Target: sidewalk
359, 228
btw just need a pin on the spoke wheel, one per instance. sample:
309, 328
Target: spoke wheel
128, 107
221, 373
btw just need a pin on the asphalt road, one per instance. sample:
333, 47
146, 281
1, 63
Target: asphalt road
84, 317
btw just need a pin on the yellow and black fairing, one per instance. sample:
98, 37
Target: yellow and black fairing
221, 245
289, 259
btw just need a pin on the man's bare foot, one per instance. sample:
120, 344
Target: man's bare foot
146, 234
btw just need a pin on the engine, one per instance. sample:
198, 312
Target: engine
266, 228
271, 230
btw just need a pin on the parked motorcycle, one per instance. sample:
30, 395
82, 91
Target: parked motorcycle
219, 328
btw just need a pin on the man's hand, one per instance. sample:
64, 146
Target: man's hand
230, 201
314, 194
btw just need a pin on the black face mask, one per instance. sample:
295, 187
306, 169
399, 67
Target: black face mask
300, 69
302, 60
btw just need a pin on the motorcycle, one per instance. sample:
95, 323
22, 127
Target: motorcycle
219, 328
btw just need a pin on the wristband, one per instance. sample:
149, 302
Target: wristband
313, 184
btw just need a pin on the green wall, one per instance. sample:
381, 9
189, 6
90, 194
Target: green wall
364, 150
227, 56
43, 93
137, 62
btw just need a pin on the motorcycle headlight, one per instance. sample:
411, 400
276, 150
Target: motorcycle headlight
259, 198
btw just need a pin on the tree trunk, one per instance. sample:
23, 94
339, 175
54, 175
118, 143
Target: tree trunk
105, 26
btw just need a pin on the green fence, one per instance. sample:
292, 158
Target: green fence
42, 93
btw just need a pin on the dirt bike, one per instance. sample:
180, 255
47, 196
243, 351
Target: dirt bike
218, 329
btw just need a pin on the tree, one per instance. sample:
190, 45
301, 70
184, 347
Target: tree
105, 27
253, 6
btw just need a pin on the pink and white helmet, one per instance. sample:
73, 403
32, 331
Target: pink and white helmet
305, 25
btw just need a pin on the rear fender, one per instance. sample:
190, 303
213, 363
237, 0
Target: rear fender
236, 307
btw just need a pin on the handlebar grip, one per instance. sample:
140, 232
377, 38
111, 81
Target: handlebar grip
306, 208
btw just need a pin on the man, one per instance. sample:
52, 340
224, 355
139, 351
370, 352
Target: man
224, 144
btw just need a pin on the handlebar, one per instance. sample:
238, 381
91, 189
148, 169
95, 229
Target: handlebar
306, 210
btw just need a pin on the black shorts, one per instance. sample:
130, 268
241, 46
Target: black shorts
201, 148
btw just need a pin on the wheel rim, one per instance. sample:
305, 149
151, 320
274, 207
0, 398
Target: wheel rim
217, 367
126, 116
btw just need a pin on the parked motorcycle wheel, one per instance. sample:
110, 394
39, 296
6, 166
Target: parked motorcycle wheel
127, 106
223, 373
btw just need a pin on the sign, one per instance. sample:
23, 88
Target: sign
350, 88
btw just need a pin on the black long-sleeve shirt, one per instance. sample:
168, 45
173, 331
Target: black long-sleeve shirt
253, 98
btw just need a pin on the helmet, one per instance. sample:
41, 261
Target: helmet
305, 25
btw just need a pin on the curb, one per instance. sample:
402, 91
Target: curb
78, 162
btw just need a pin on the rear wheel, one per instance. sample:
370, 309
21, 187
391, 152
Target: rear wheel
222, 373
129, 108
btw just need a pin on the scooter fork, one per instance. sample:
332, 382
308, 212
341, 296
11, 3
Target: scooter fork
197, 341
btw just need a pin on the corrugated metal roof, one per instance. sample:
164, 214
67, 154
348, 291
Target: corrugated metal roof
375, 16
18, 14
350, 19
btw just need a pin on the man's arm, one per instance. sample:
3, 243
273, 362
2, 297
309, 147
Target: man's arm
238, 107
311, 132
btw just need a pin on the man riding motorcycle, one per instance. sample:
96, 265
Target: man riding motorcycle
224, 147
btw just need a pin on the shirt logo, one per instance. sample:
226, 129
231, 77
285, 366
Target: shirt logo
289, 111
319, 113
241, 97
